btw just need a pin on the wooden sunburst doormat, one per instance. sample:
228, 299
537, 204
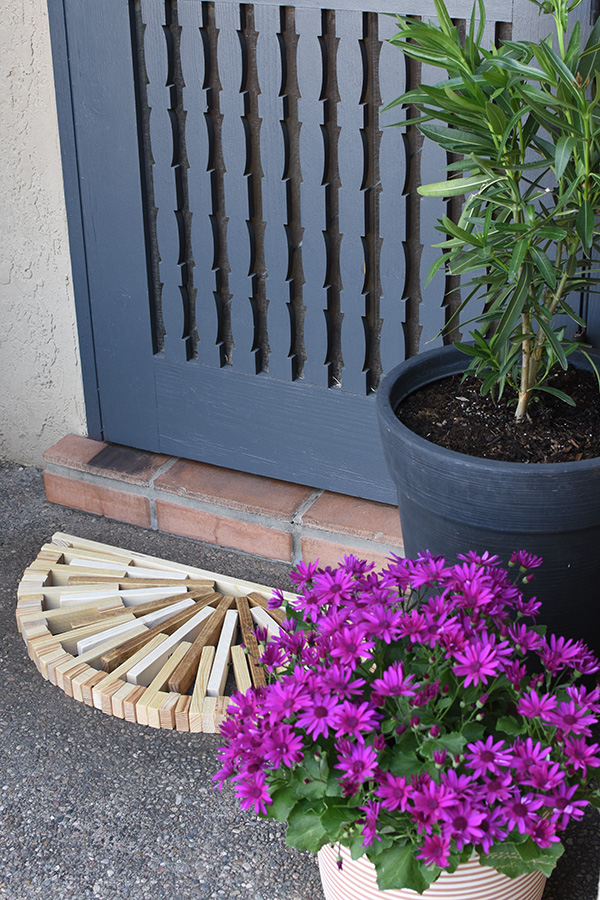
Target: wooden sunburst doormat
141, 638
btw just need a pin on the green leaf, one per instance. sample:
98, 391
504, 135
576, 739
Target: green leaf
305, 830
406, 764
453, 188
553, 340
457, 139
556, 393
584, 224
515, 859
518, 255
562, 154
334, 818
513, 310
283, 803
398, 868
544, 266
590, 60
510, 725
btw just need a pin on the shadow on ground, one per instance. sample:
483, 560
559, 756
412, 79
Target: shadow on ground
94, 807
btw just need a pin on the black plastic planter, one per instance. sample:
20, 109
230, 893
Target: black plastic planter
450, 503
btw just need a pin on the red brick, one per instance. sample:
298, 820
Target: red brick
97, 499
329, 553
223, 531
353, 516
109, 460
235, 490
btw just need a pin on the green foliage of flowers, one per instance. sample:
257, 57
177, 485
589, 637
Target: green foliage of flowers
418, 715
524, 119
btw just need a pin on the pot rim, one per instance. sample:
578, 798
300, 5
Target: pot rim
386, 411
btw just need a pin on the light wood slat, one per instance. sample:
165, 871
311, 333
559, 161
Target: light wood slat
156, 686
224, 583
264, 620
145, 671
199, 695
218, 673
240, 669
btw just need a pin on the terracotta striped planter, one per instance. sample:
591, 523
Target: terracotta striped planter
357, 881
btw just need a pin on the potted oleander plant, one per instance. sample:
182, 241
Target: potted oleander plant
522, 121
418, 730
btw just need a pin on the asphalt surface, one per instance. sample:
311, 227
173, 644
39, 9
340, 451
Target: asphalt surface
95, 807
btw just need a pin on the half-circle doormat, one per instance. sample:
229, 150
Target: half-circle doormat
141, 638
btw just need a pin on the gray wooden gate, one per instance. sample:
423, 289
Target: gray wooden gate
248, 245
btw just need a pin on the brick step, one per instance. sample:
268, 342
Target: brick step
261, 516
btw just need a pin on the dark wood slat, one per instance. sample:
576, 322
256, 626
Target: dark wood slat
247, 629
184, 674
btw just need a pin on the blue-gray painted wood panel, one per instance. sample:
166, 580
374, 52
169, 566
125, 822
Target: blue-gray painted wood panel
249, 247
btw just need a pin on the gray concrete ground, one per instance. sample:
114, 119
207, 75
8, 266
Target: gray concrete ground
94, 807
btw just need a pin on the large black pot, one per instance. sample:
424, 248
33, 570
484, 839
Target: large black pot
450, 503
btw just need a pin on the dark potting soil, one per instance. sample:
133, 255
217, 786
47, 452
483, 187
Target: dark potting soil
453, 414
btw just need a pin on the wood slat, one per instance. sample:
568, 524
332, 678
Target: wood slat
170, 674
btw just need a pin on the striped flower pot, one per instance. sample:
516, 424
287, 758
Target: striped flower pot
357, 881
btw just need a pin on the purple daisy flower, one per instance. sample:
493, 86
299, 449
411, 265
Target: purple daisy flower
317, 717
461, 823
487, 757
253, 793
435, 851
354, 719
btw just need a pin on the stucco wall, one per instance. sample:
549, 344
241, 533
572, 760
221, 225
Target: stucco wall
41, 395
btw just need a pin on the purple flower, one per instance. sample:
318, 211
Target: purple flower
283, 746
428, 802
253, 793
521, 812
381, 622
487, 757
357, 762
563, 805
558, 653
338, 679
581, 755
461, 823
525, 560
478, 662
532, 704
332, 587
354, 719
394, 683
304, 573
369, 829
349, 645
284, 698
528, 754
317, 717
570, 718
435, 850
394, 791
499, 789
492, 828
543, 832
